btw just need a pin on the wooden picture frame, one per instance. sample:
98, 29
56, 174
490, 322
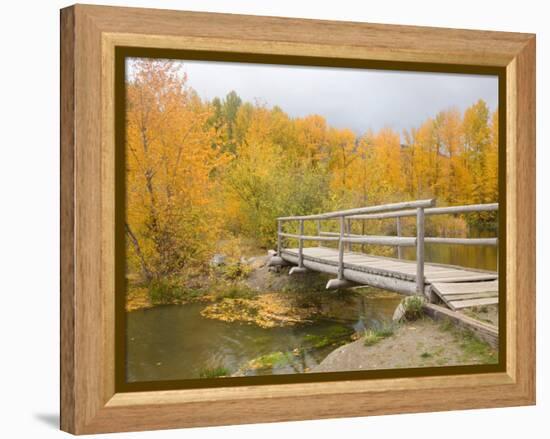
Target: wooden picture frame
89, 38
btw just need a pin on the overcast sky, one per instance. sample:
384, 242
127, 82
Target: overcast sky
348, 98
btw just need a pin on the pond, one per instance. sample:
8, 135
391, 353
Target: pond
175, 342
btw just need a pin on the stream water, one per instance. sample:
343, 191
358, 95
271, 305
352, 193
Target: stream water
175, 342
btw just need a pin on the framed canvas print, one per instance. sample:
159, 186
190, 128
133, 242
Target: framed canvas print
271, 219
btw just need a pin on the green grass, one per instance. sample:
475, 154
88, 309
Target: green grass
476, 349
386, 331
447, 325
336, 334
168, 291
317, 341
473, 348
373, 336
234, 291
214, 372
271, 360
426, 355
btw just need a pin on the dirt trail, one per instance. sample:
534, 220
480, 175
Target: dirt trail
423, 343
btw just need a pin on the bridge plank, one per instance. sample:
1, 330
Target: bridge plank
458, 297
468, 294
460, 304
463, 288
474, 277
457, 274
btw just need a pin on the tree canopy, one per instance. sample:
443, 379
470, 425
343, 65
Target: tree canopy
202, 172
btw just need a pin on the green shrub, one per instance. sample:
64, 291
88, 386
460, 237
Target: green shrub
170, 291
163, 292
236, 271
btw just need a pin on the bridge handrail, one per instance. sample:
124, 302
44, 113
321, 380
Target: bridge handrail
396, 242
432, 211
363, 210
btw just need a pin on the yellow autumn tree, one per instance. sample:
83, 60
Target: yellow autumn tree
491, 162
171, 220
311, 139
341, 154
272, 173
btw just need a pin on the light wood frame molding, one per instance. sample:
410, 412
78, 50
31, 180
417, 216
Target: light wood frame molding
89, 35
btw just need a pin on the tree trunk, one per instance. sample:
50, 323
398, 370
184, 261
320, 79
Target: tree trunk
146, 271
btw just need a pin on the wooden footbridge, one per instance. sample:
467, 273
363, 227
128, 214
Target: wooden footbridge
457, 287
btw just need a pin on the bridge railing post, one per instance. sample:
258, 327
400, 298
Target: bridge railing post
320, 243
279, 237
349, 233
420, 251
399, 248
301, 245
341, 249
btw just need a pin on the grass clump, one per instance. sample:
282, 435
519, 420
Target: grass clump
373, 336
386, 331
413, 308
214, 372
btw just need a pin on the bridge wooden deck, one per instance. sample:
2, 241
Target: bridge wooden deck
457, 287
